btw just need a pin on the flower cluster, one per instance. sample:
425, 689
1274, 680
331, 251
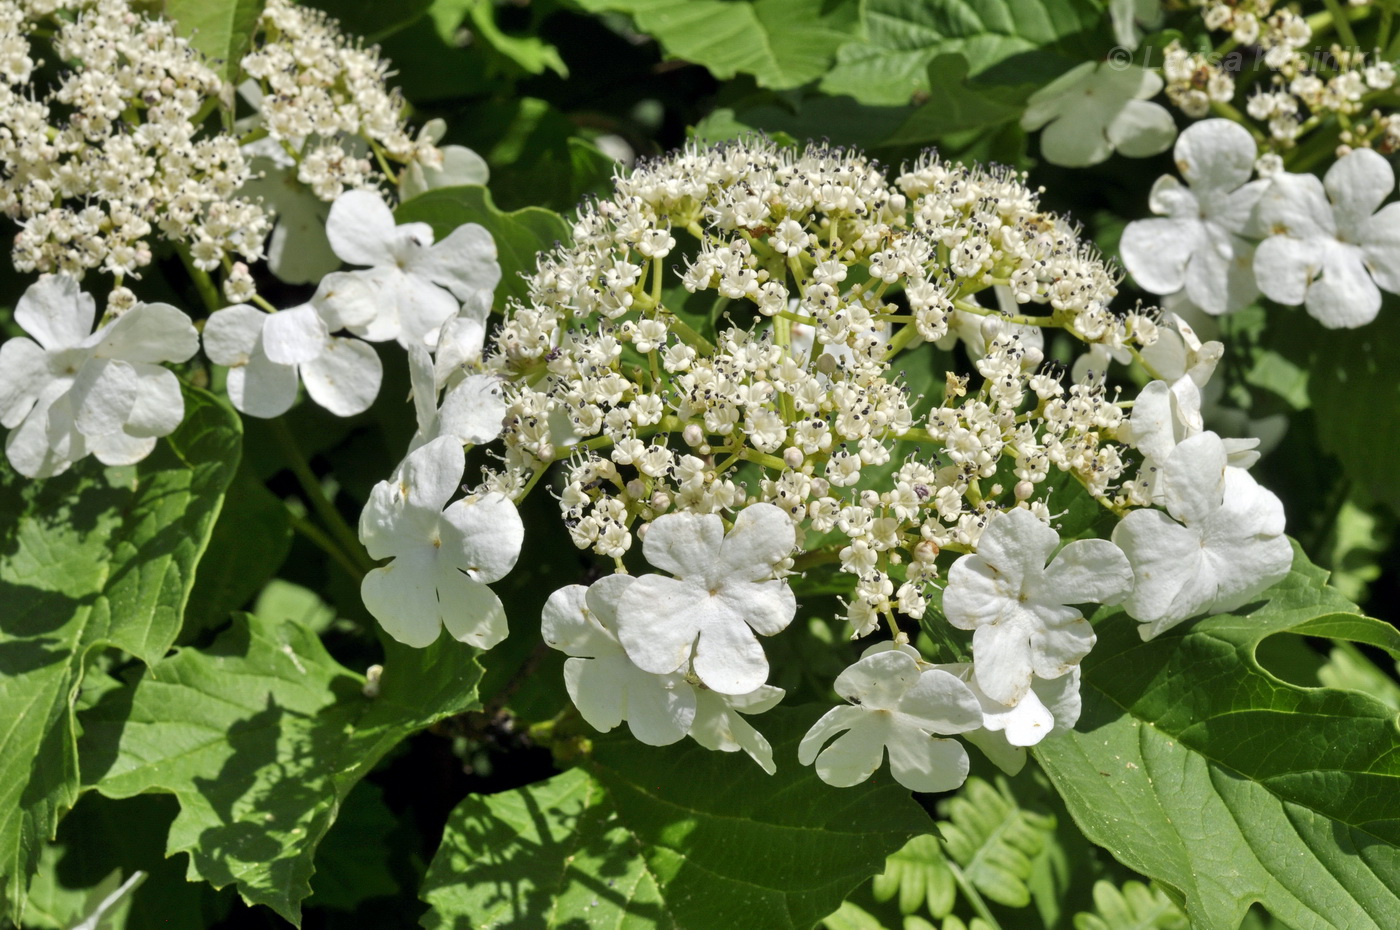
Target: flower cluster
731, 367
1305, 85
1328, 244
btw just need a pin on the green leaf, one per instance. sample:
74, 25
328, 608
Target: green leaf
956, 106
1193, 765
220, 30
93, 558
1135, 907
920, 876
671, 837
782, 43
1355, 389
519, 236
251, 539
993, 839
353, 864
888, 66
527, 54
260, 737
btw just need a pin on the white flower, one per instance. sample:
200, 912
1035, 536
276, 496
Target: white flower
411, 286
1127, 14
442, 558
896, 707
298, 251
70, 391
605, 685
723, 593
1199, 243
472, 410
1019, 607
1007, 731
460, 165
1222, 545
265, 352
1095, 108
1331, 256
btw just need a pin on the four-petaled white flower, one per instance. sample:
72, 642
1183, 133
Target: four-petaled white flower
605, 685
70, 391
1331, 256
723, 593
1095, 108
265, 352
896, 707
443, 556
1019, 606
411, 286
1222, 545
1199, 243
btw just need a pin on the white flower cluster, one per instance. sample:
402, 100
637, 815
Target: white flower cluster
1305, 86
1327, 244
719, 362
126, 146
113, 153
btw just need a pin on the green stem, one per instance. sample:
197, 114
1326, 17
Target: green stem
1339, 19
204, 284
972, 896
316, 496
318, 538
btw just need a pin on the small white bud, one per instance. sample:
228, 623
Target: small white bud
793, 457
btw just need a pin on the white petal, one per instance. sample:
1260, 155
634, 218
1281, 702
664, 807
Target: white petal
1155, 252
28, 447
762, 534
717, 726
1357, 184
684, 544
660, 708
1142, 129
655, 623
431, 475
856, 754
345, 377
1002, 660
568, 626
1295, 205
1069, 143
261, 388
1171, 579
295, 335
1345, 296
464, 263
56, 312
150, 333
729, 659
360, 228
1215, 156
1380, 240
767, 606
879, 680
120, 448
603, 598
354, 299
471, 611
1220, 274
231, 333
482, 536
159, 406
1284, 267
460, 341
593, 687
1194, 477
474, 409
422, 308
103, 395
1087, 571
24, 371
402, 596
921, 763
1061, 643
940, 703
1051, 100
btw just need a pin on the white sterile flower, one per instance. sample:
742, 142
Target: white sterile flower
1199, 243
1222, 545
472, 410
723, 593
443, 556
896, 707
298, 251
264, 353
1006, 731
411, 286
70, 391
1095, 108
1331, 256
1019, 606
720, 724
459, 166
605, 685
1128, 14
